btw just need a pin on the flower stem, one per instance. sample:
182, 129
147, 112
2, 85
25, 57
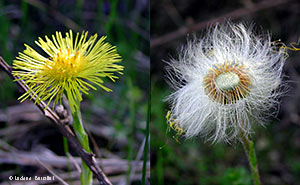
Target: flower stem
250, 152
86, 177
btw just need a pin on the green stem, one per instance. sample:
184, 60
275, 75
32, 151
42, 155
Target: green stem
86, 177
250, 152
131, 132
146, 147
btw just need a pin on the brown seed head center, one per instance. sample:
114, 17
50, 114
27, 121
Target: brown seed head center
227, 83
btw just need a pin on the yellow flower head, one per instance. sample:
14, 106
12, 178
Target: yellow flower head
72, 66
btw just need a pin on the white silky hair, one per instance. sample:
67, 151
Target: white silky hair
199, 115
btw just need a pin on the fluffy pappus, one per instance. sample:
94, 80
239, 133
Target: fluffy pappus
225, 83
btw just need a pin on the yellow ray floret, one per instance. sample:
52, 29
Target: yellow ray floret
73, 65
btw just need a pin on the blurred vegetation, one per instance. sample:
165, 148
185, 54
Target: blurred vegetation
121, 113
189, 162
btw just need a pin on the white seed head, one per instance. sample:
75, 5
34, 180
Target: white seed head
225, 83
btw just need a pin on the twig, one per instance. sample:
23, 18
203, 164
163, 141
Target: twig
7, 146
52, 172
69, 23
231, 15
173, 13
110, 166
134, 164
74, 162
137, 160
63, 128
16, 131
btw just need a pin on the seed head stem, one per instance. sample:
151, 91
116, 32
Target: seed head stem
250, 152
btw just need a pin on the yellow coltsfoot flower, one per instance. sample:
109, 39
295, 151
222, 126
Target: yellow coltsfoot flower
72, 66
